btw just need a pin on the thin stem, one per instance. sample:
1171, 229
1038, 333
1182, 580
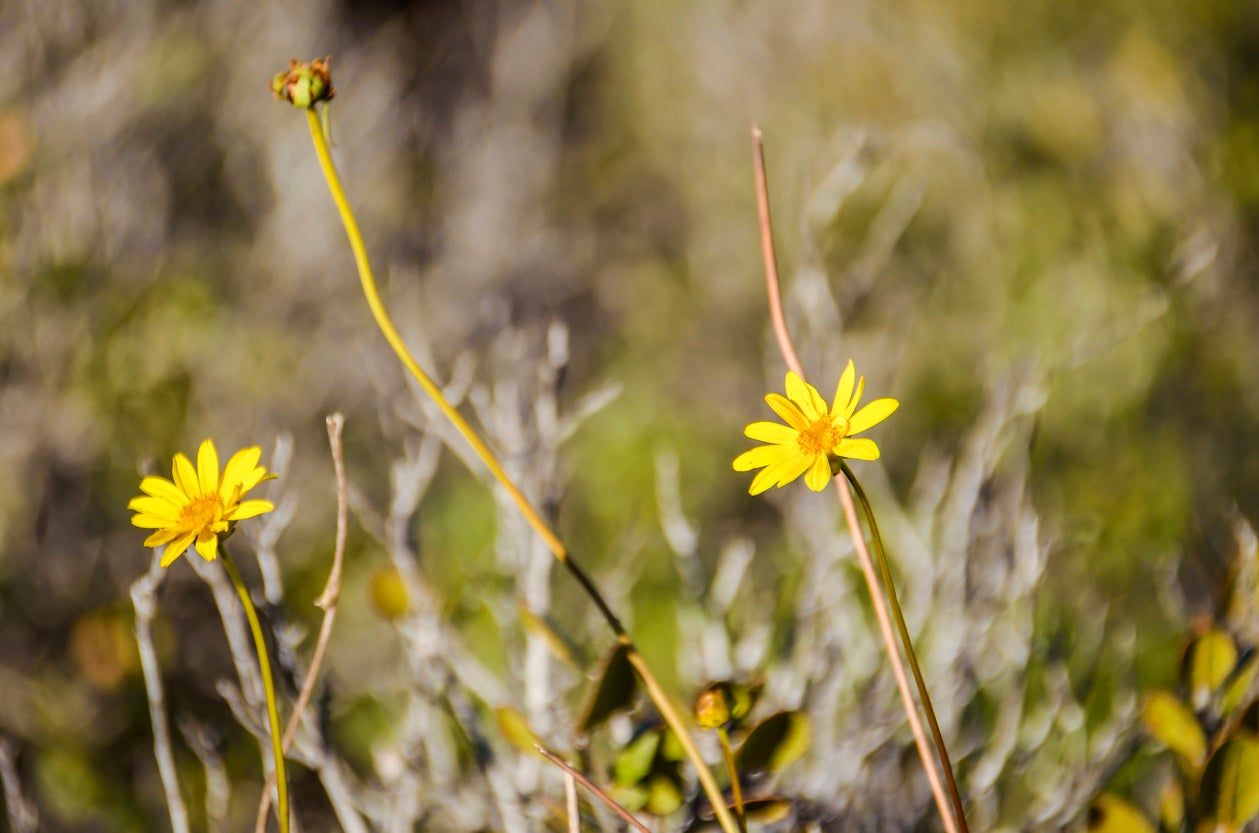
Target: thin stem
268, 686
571, 807
733, 772
552, 541
327, 600
788, 351
898, 615
598, 793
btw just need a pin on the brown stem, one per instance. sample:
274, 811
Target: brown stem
327, 600
788, 351
594, 789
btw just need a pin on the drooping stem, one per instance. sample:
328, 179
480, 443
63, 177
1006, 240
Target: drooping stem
544, 531
268, 687
880, 554
948, 817
732, 772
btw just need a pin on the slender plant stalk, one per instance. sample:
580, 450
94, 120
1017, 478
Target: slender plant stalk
598, 793
268, 687
788, 350
733, 772
385, 323
880, 554
327, 600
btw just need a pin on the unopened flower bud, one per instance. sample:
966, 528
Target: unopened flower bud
711, 709
305, 84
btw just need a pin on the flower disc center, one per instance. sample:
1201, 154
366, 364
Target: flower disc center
823, 435
201, 513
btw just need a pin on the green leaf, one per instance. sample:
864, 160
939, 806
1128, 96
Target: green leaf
614, 692
664, 795
1111, 814
1230, 784
1211, 659
634, 761
515, 729
1235, 689
1171, 806
1171, 723
775, 743
632, 797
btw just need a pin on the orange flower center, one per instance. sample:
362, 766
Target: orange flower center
201, 513
823, 435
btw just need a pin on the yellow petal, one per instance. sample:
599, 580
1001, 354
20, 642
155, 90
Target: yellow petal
843, 391
208, 468
239, 467
249, 509
765, 455
186, 476
162, 536
157, 507
872, 414
790, 469
806, 396
150, 522
160, 487
176, 549
255, 477
860, 449
771, 432
208, 546
819, 473
786, 409
856, 397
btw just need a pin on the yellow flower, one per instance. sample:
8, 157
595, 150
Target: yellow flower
814, 434
199, 506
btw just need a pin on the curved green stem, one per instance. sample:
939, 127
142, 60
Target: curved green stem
885, 569
268, 687
390, 332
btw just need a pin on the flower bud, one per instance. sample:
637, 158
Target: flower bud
305, 84
711, 709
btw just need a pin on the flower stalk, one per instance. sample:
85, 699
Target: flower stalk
268, 687
384, 322
736, 789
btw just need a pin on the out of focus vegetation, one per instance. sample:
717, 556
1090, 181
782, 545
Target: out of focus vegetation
1059, 191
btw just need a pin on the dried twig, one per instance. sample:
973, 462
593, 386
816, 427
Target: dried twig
144, 599
788, 350
218, 787
594, 789
327, 600
23, 817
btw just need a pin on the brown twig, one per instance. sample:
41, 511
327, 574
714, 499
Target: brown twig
570, 803
845, 496
594, 789
327, 600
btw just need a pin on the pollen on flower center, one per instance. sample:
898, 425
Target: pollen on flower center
201, 513
823, 435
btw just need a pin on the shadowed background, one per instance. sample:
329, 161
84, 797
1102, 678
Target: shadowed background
1041, 215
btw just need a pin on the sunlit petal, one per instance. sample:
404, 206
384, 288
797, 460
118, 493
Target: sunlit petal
856, 397
805, 396
819, 473
208, 546
872, 414
765, 455
160, 487
771, 432
843, 391
186, 476
249, 509
208, 468
786, 409
860, 449
176, 549
238, 469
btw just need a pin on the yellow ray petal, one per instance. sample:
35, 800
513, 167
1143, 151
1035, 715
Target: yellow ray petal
819, 473
208, 546
249, 509
765, 455
150, 522
786, 409
186, 476
872, 414
793, 467
805, 396
175, 549
772, 432
843, 391
208, 468
773, 475
160, 487
856, 397
157, 507
860, 449
239, 467
162, 536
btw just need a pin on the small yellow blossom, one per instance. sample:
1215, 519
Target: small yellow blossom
199, 506
814, 434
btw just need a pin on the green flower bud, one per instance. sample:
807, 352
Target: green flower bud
711, 709
305, 84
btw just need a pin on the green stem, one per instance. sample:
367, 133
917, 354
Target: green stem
733, 772
886, 571
390, 332
268, 687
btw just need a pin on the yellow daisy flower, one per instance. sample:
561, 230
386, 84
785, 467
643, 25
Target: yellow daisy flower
199, 506
814, 434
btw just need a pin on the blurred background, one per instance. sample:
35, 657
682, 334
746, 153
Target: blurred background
1032, 223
